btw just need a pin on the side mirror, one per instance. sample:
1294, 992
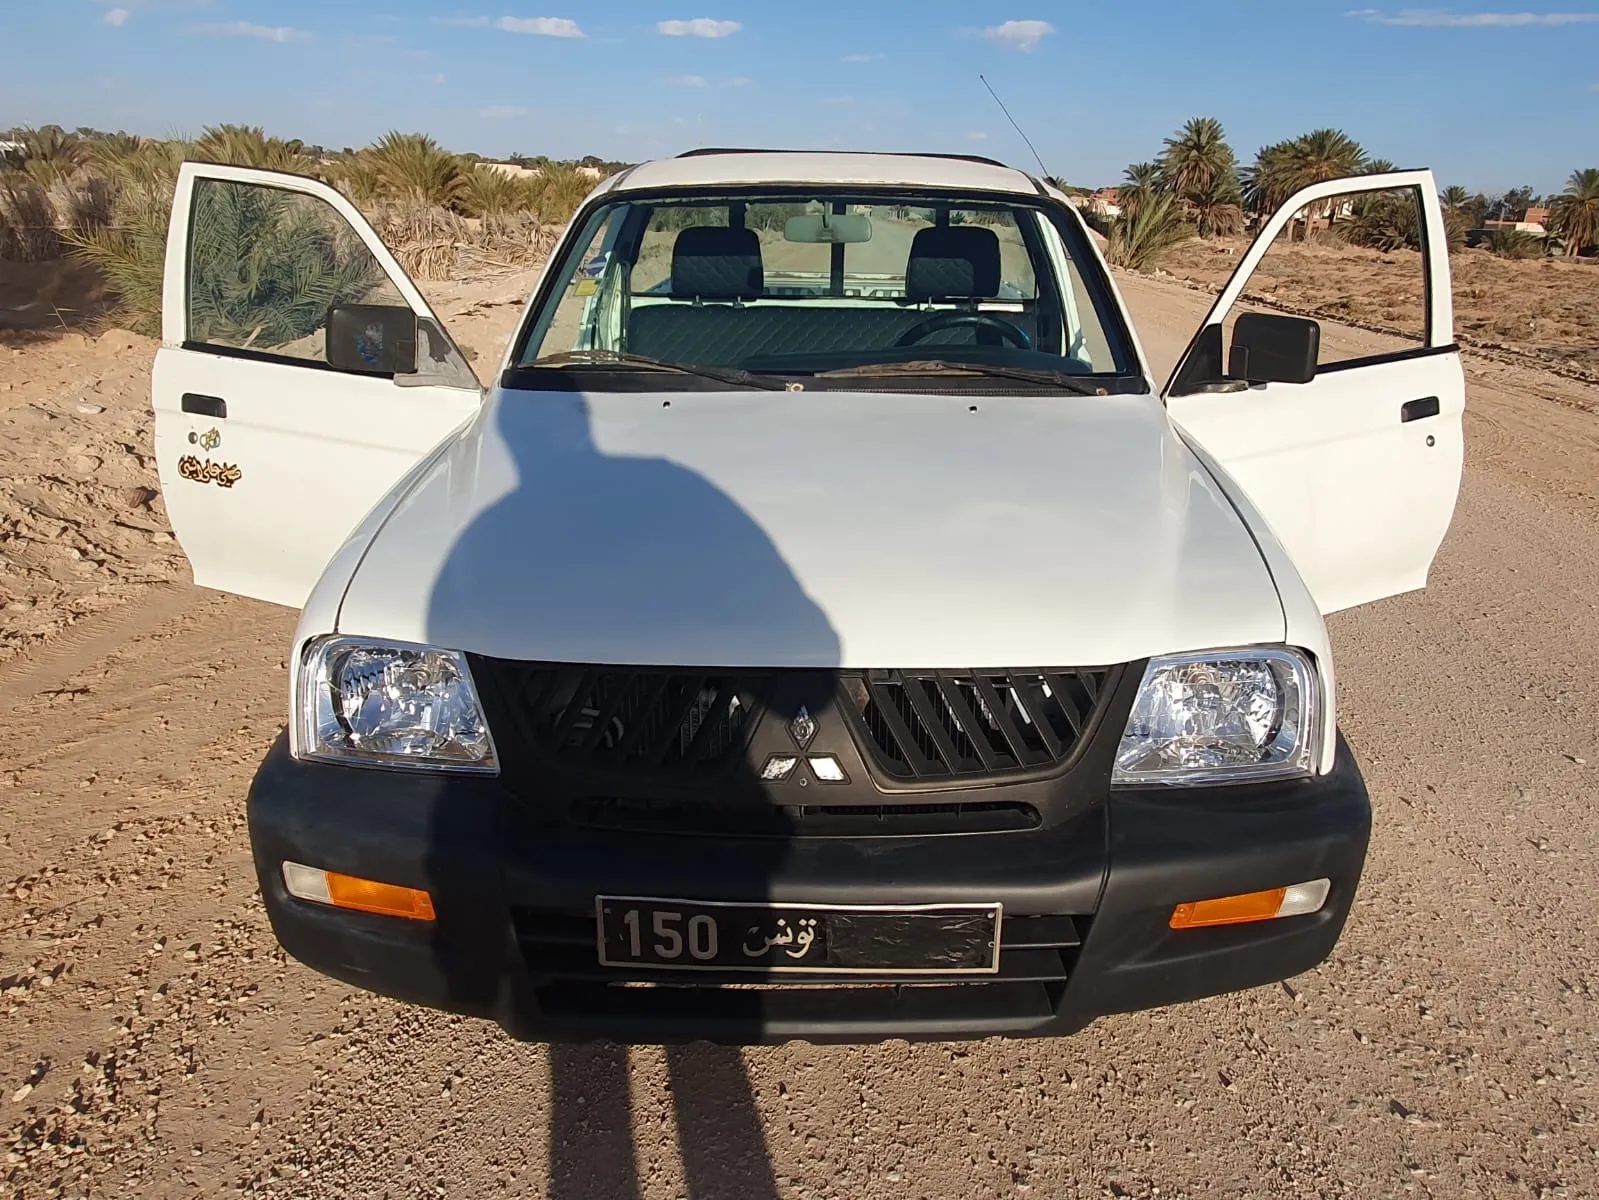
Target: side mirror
1267, 348
372, 339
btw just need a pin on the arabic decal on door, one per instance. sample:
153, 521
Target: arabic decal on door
222, 474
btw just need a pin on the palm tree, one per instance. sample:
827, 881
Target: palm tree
1316, 157
1140, 236
492, 193
415, 167
50, 154
1575, 213
249, 146
1196, 158
1324, 154
1216, 209
1454, 198
1143, 181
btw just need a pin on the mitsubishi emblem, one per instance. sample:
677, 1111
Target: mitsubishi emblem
802, 728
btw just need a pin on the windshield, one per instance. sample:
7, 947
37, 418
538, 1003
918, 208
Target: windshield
821, 284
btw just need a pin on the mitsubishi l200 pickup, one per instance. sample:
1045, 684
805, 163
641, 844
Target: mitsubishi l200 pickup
823, 625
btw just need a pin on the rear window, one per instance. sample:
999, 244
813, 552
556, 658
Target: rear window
874, 268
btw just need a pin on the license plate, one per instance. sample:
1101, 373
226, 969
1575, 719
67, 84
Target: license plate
704, 935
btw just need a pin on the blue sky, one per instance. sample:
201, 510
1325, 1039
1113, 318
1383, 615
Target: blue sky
1491, 98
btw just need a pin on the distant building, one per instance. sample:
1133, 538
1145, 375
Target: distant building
1527, 226
1105, 203
511, 170
517, 171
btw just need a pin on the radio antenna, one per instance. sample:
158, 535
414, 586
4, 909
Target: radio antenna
1036, 156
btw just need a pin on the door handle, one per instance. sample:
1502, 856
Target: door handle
205, 406
1415, 410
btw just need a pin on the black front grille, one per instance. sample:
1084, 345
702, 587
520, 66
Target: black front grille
691, 818
635, 718
943, 724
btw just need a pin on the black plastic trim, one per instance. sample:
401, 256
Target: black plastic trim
1087, 904
713, 151
1392, 356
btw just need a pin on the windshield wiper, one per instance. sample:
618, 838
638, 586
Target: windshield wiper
643, 362
1048, 378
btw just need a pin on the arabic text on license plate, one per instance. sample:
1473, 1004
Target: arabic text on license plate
926, 939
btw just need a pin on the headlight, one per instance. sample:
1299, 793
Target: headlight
391, 704
1221, 715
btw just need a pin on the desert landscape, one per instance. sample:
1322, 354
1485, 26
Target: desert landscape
1535, 308
159, 1043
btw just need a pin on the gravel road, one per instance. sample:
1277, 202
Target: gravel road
157, 1043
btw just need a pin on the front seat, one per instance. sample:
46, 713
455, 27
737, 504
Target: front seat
710, 262
714, 269
954, 262
959, 264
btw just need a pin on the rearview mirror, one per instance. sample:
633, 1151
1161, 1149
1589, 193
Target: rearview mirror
828, 228
1267, 348
372, 339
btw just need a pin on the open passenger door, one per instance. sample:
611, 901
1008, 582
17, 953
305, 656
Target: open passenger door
1355, 465
300, 375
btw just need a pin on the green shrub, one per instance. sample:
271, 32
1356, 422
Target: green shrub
1515, 243
1138, 239
487, 192
28, 221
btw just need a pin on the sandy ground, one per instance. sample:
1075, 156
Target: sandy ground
157, 1043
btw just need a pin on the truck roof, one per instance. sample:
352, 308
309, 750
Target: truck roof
718, 167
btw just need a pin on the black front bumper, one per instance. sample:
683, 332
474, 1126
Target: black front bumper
1087, 905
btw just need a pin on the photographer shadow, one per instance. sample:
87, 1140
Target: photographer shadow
592, 1153
629, 558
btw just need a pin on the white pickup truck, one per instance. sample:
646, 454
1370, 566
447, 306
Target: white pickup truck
822, 597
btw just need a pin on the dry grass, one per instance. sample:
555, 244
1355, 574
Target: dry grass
434, 243
1543, 307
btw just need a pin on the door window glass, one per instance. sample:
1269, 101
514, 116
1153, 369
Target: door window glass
266, 265
1357, 264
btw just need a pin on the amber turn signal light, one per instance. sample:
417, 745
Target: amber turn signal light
353, 892
1293, 901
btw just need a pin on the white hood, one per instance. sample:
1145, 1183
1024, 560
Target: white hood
816, 529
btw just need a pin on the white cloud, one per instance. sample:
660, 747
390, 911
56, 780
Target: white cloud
700, 27
1443, 18
555, 27
116, 16
246, 29
740, 81
977, 135
502, 112
1019, 35
862, 58
687, 81
838, 100
439, 79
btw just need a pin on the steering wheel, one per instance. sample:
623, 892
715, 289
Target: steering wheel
1013, 334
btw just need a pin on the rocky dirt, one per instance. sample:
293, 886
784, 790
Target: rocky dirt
157, 1043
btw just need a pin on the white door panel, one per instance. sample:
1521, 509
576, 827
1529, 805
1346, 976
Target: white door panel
314, 451
268, 455
1358, 497
1357, 470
